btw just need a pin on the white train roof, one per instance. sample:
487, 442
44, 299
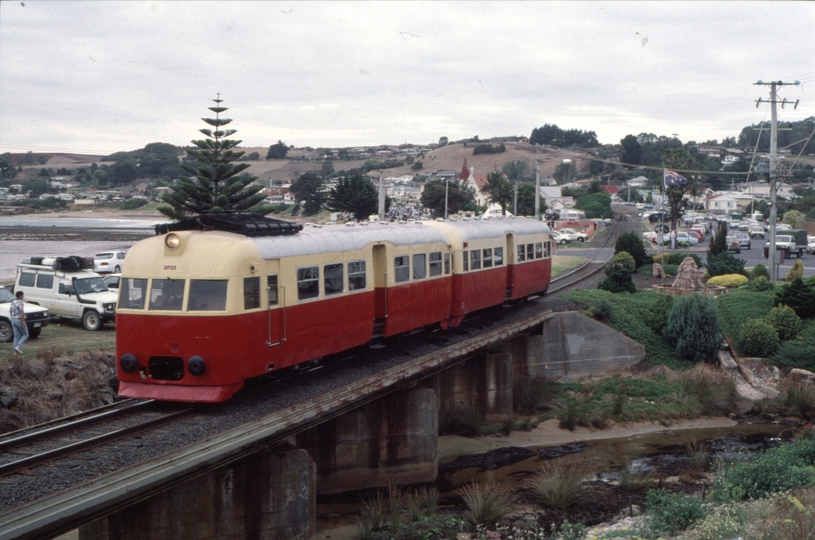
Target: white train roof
326, 239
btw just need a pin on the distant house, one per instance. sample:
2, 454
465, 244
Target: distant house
638, 182
722, 202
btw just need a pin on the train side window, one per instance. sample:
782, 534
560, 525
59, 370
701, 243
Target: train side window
488, 258
521, 253
332, 279
308, 282
475, 259
447, 263
498, 256
45, 281
132, 293
27, 279
435, 264
419, 266
539, 250
271, 288
530, 252
251, 292
465, 255
207, 295
401, 268
167, 294
356, 276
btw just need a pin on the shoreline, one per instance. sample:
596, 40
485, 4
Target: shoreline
548, 433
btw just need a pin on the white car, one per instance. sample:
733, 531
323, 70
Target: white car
572, 235
687, 238
108, 262
36, 318
810, 244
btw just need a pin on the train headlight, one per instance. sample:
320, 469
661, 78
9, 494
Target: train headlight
196, 366
128, 363
172, 241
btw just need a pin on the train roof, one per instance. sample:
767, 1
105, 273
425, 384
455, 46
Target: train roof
491, 228
325, 239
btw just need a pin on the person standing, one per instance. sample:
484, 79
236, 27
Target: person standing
17, 312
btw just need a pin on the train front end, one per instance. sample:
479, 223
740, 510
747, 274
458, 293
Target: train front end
182, 323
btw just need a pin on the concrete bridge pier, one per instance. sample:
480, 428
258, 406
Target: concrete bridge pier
390, 441
265, 496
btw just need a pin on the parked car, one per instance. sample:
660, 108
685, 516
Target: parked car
733, 243
696, 233
572, 235
744, 239
108, 262
810, 244
682, 236
785, 243
36, 317
112, 281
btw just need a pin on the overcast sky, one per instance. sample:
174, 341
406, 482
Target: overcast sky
103, 76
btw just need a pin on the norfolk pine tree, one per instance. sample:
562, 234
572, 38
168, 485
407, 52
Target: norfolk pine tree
215, 183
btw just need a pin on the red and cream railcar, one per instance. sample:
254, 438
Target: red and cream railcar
200, 312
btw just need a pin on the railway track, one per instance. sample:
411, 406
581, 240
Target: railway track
588, 269
50, 442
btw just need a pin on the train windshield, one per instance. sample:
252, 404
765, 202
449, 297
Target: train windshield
132, 293
167, 294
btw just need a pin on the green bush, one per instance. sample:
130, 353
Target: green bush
756, 338
618, 281
728, 280
692, 328
671, 513
634, 245
671, 269
786, 322
795, 354
760, 271
761, 284
658, 313
773, 471
621, 261
559, 485
724, 263
796, 272
799, 297
487, 504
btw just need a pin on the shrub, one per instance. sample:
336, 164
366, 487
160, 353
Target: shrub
796, 272
559, 485
761, 284
632, 244
718, 241
800, 398
464, 419
487, 504
760, 271
767, 474
692, 328
677, 258
635, 481
710, 391
728, 280
786, 322
795, 354
799, 297
658, 313
671, 269
671, 513
756, 338
621, 261
618, 281
724, 263
529, 394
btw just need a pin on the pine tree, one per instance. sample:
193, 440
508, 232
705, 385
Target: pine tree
216, 183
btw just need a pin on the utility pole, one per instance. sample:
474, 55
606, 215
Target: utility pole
771, 252
537, 182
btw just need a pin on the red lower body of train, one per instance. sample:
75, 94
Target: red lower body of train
243, 346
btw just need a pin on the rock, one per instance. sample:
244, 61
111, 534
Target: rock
802, 375
108, 395
688, 276
658, 270
8, 398
72, 365
55, 396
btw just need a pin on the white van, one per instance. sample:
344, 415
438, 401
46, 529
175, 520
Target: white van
65, 288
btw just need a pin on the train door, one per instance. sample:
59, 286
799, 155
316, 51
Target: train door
509, 260
275, 306
380, 258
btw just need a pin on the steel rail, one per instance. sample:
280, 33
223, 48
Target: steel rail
70, 417
613, 233
64, 511
34, 435
67, 450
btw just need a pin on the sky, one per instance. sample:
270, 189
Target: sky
96, 77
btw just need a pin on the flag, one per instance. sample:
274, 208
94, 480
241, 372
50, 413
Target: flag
674, 179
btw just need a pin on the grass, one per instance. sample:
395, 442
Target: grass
486, 504
561, 263
559, 485
65, 337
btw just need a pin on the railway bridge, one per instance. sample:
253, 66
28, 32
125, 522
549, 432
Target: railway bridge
260, 480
